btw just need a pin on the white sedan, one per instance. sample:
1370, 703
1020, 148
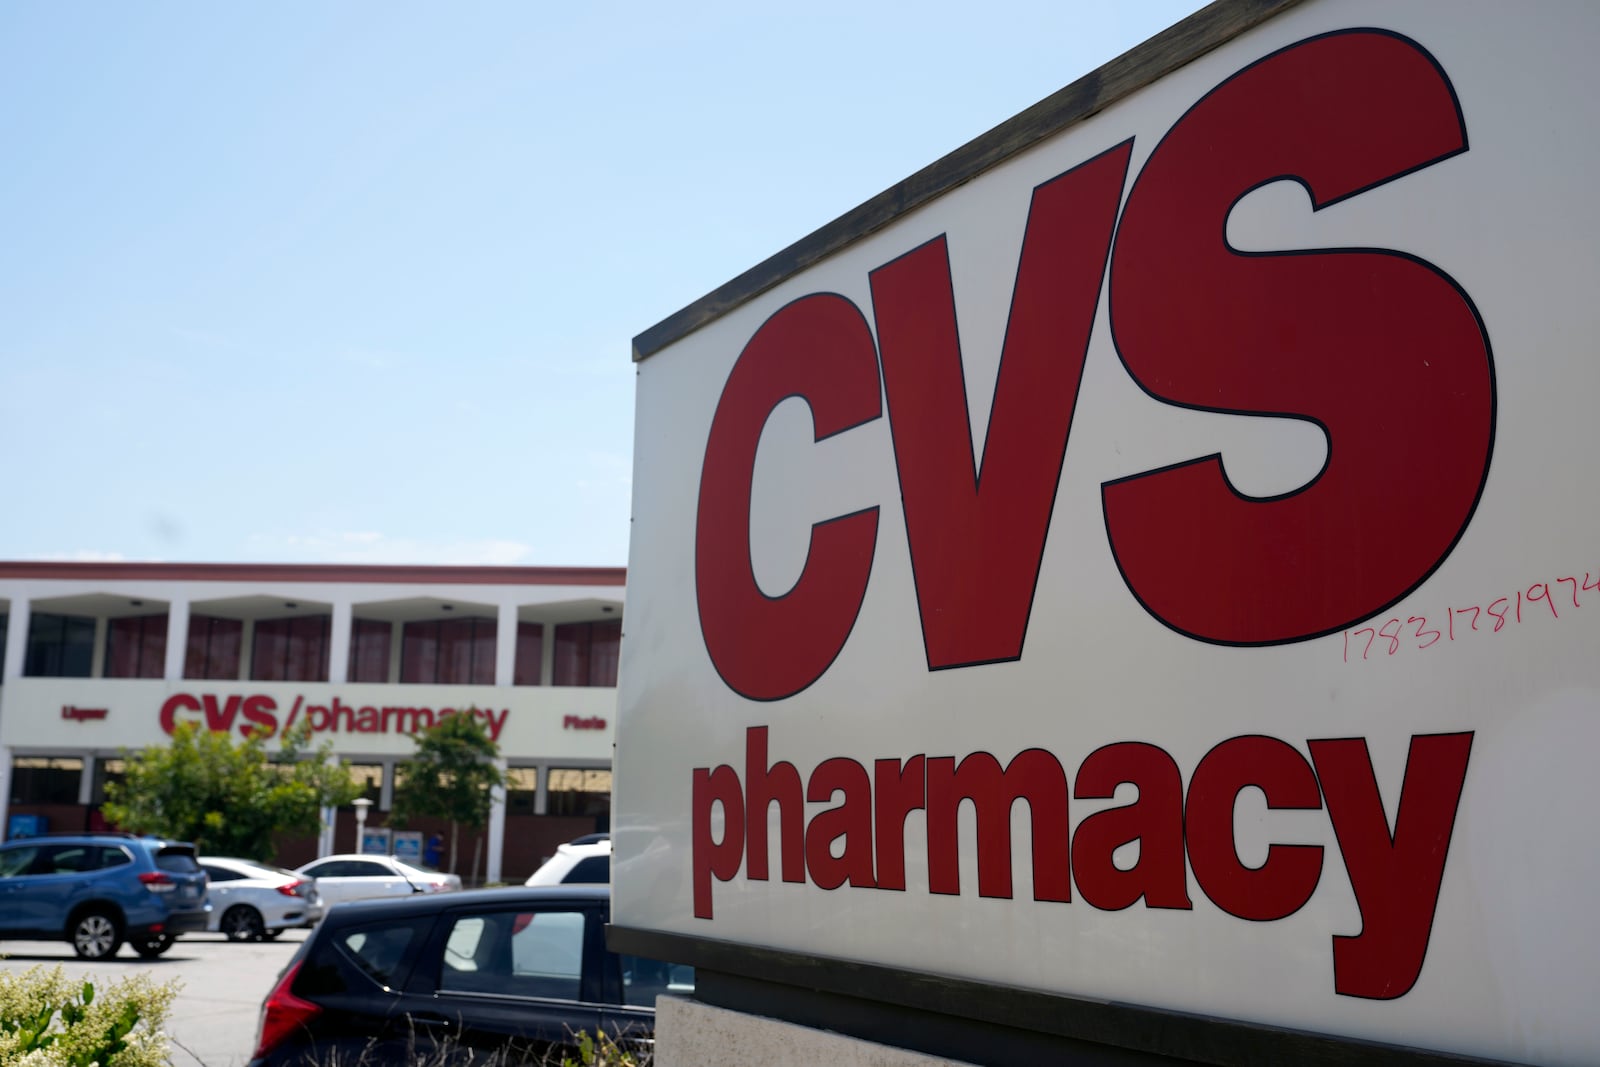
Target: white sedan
355, 877
251, 901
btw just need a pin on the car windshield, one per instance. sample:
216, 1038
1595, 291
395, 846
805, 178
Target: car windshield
250, 870
179, 858
13, 861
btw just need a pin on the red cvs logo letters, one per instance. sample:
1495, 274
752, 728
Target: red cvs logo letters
1348, 339
1380, 349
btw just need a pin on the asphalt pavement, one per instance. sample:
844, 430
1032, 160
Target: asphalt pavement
214, 1018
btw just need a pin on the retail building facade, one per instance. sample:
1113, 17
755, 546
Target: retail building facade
105, 658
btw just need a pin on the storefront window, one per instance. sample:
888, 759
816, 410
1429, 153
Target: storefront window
59, 646
530, 653
213, 648
522, 788
291, 650
586, 653
136, 646
369, 776
45, 780
106, 770
578, 791
369, 650
448, 652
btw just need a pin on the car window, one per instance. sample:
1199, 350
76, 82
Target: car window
65, 859
377, 950
114, 856
347, 869
15, 861
593, 870
516, 953
643, 980
365, 869
220, 874
352, 959
178, 859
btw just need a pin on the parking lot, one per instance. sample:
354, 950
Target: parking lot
213, 1021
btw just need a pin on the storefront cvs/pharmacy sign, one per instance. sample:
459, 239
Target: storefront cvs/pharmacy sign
260, 713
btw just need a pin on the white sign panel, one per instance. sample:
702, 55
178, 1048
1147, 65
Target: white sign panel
1214, 478
408, 845
375, 841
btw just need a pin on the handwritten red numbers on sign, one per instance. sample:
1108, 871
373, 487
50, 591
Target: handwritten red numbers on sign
1460, 622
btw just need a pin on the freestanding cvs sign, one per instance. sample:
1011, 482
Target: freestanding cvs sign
1158, 569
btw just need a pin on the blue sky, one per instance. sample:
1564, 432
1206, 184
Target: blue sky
356, 282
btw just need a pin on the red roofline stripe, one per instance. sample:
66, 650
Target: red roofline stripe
332, 573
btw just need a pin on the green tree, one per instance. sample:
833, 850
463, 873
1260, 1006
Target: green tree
229, 797
451, 776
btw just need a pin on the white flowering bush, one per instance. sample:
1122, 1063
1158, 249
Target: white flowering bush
47, 1021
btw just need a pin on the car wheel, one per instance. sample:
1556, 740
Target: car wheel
96, 935
152, 947
243, 923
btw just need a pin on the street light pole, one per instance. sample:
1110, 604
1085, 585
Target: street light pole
361, 806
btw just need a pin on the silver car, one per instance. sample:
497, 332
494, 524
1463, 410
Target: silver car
254, 902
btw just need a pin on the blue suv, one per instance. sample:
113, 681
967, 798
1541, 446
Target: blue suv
99, 890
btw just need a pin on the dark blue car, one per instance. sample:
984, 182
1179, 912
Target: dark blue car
98, 890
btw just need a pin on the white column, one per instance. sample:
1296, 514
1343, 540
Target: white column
547, 658
329, 814
386, 790
247, 648
505, 652
5, 783
16, 645
86, 782
177, 639
397, 634
541, 790
97, 658
497, 826
339, 644
325, 838
10, 671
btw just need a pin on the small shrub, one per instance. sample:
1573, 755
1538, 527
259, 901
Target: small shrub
46, 1021
583, 1050
602, 1050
